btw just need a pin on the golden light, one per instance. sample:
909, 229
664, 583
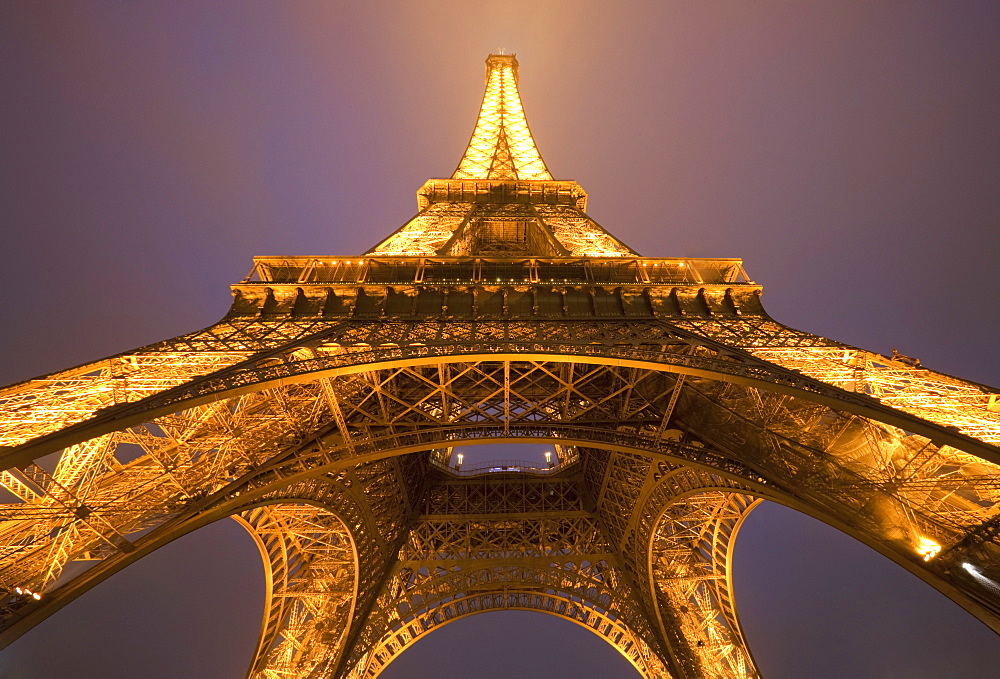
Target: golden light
927, 548
501, 146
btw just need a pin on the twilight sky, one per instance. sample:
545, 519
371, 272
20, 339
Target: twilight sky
849, 152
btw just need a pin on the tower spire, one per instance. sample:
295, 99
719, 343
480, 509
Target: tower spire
487, 207
501, 146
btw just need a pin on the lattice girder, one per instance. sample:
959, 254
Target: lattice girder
52, 402
633, 491
691, 561
942, 494
506, 542
900, 383
501, 146
310, 624
487, 229
351, 347
310, 567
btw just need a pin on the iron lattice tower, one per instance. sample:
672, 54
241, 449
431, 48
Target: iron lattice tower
321, 413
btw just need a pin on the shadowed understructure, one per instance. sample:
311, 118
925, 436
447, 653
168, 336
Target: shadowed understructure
323, 412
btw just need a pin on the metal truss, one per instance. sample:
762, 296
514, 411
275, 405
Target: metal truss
674, 526
55, 401
886, 486
499, 200
320, 411
505, 543
426, 233
310, 573
501, 146
899, 382
558, 589
579, 234
464, 229
691, 557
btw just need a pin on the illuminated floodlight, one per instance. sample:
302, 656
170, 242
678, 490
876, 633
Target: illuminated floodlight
972, 569
928, 548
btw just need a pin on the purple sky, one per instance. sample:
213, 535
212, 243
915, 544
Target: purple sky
848, 151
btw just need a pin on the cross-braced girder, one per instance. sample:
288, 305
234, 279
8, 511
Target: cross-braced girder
898, 382
501, 146
320, 411
311, 571
634, 492
691, 558
506, 542
894, 488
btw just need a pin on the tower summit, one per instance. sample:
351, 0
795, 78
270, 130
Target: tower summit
324, 412
502, 201
501, 146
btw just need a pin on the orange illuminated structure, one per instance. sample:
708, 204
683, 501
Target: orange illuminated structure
324, 410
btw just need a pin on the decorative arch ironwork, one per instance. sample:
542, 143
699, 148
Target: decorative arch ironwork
890, 487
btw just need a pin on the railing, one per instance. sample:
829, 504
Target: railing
442, 458
499, 466
486, 269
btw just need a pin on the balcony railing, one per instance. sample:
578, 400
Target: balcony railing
446, 460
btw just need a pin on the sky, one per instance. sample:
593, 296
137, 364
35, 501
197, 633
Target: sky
847, 151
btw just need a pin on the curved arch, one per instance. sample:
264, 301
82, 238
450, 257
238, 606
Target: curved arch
309, 556
278, 526
729, 365
690, 567
300, 541
699, 457
487, 643
608, 630
419, 601
210, 411
835, 486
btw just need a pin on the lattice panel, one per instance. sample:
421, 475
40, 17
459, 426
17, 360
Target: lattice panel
505, 543
46, 404
107, 489
309, 555
514, 496
940, 398
501, 145
426, 233
897, 487
899, 382
690, 555
580, 234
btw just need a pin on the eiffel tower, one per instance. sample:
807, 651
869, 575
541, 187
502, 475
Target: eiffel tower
327, 411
